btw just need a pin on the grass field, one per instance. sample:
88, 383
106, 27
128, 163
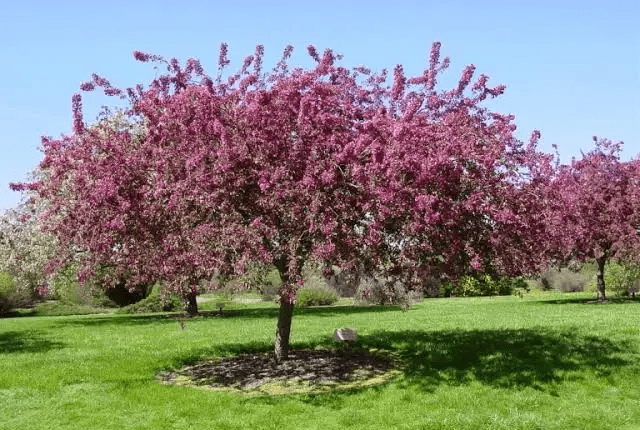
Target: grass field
548, 361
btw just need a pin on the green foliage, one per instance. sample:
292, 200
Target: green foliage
7, 283
66, 288
11, 295
157, 301
316, 296
271, 286
484, 285
260, 277
618, 277
7, 292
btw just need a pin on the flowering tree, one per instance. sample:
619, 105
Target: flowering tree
600, 216
24, 249
326, 164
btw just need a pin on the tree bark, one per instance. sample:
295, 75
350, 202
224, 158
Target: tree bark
191, 304
283, 330
602, 261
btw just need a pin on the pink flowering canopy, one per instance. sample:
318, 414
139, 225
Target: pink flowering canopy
601, 196
600, 216
328, 164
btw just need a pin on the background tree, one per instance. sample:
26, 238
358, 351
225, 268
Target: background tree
325, 164
25, 250
600, 216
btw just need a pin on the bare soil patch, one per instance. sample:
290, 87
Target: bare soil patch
318, 370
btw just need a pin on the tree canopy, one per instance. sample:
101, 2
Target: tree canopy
25, 250
328, 164
599, 215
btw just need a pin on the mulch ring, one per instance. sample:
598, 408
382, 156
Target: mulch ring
305, 371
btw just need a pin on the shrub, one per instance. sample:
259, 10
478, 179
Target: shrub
484, 285
565, 280
7, 293
618, 277
259, 277
316, 296
66, 288
343, 282
317, 291
157, 301
267, 285
350, 284
10, 295
375, 291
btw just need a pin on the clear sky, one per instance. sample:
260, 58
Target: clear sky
572, 68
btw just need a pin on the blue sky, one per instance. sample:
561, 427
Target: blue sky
572, 68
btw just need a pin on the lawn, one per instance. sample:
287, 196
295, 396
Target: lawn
546, 361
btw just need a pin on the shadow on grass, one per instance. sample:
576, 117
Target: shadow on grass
614, 300
25, 342
536, 358
329, 311
320, 311
499, 358
266, 313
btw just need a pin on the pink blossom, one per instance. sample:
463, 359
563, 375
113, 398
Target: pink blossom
465, 78
434, 57
292, 166
141, 56
222, 58
476, 263
76, 107
87, 86
398, 83
313, 53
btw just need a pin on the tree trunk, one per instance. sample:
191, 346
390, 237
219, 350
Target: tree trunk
600, 278
287, 297
283, 330
191, 304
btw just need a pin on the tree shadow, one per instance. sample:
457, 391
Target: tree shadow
321, 311
118, 319
614, 300
330, 311
537, 358
504, 358
260, 313
26, 342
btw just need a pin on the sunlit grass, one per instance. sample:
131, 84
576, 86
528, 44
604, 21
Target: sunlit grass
545, 361
56, 308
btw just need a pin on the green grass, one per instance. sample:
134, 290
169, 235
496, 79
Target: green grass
548, 361
56, 308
